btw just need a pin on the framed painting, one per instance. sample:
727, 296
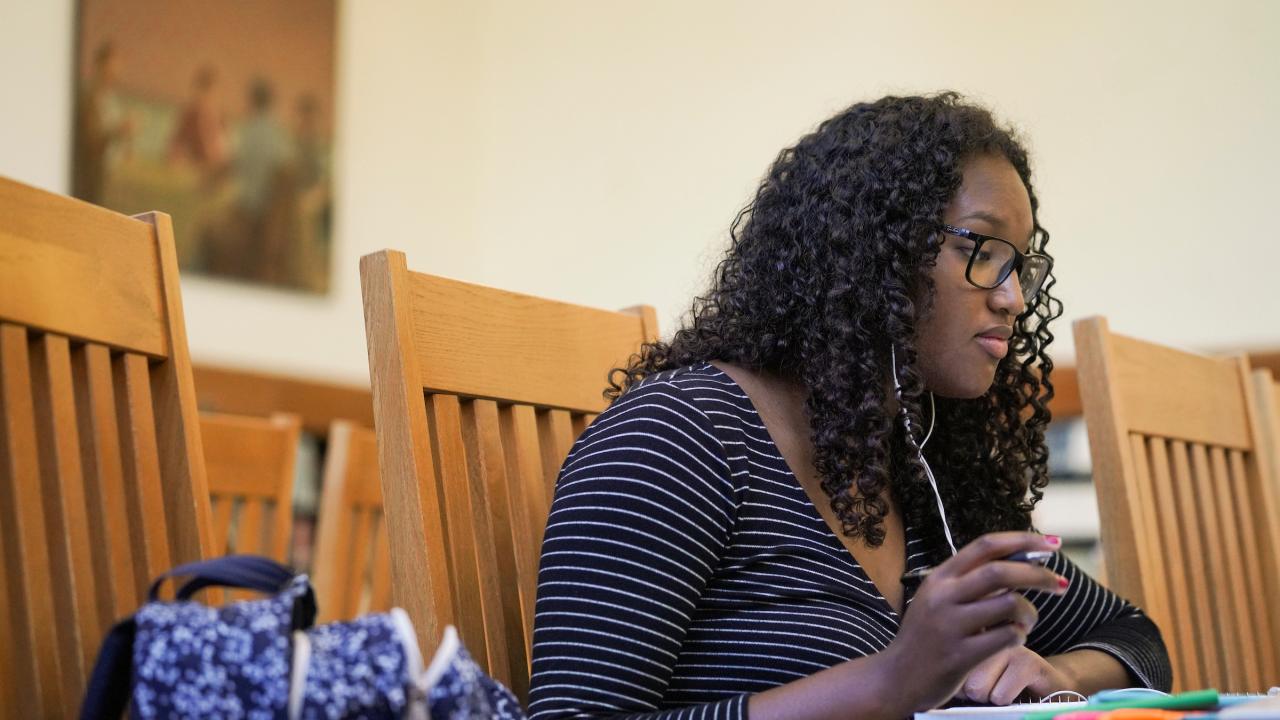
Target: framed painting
220, 114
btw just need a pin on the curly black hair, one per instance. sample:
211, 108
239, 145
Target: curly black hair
820, 281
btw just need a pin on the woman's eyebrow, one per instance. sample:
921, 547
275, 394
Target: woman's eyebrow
984, 215
994, 220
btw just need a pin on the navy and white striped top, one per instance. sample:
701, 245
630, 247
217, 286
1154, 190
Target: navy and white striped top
685, 568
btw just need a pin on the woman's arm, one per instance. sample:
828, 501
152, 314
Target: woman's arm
1020, 674
961, 616
1089, 617
1089, 671
1086, 640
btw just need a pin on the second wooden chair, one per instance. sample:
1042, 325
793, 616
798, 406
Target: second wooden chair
251, 463
352, 567
478, 395
1187, 501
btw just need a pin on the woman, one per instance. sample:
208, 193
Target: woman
861, 393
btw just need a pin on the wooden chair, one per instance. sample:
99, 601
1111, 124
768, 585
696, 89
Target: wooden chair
102, 481
352, 568
250, 463
1188, 518
478, 395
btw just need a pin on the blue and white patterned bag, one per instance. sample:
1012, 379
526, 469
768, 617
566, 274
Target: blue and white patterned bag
263, 659
460, 690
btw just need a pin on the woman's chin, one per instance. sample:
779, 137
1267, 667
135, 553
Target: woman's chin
964, 388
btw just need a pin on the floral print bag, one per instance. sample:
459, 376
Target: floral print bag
256, 658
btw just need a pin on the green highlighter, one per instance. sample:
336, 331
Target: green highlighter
1195, 700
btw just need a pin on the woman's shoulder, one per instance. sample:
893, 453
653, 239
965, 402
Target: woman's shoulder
698, 401
704, 388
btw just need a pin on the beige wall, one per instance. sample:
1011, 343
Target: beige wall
596, 152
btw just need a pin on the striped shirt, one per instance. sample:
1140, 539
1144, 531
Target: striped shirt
685, 568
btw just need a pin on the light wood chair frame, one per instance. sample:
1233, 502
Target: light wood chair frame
1187, 501
102, 481
478, 395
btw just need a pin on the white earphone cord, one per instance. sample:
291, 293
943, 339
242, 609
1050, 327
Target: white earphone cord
906, 419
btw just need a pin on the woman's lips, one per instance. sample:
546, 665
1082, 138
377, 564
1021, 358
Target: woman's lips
995, 347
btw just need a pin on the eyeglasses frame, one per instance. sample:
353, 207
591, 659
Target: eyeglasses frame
1020, 257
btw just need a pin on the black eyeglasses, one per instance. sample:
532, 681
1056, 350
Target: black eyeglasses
992, 260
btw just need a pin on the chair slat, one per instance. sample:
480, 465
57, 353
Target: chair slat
249, 535
71, 562
250, 527
32, 620
223, 511
487, 459
108, 514
149, 533
278, 530
1186, 657
361, 559
1259, 619
477, 602
1239, 619
1213, 537
555, 434
528, 501
1204, 599
223, 514
1156, 604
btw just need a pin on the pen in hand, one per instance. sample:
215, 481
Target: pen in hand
1038, 557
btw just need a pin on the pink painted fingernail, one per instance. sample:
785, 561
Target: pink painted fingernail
1063, 583
1053, 540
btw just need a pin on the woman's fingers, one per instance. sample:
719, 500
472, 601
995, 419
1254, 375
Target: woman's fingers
1013, 681
994, 546
979, 647
982, 679
998, 576
975, 617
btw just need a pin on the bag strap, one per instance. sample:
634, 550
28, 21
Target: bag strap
250, 572
110, 685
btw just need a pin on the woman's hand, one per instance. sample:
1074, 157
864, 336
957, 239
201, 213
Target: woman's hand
1001, 678
963, 615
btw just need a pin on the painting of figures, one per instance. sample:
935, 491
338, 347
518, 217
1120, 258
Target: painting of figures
220, 114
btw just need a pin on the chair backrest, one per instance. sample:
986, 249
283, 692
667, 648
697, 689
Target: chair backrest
251, 463
351, 570
478, 396
102, 481
1188, 524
